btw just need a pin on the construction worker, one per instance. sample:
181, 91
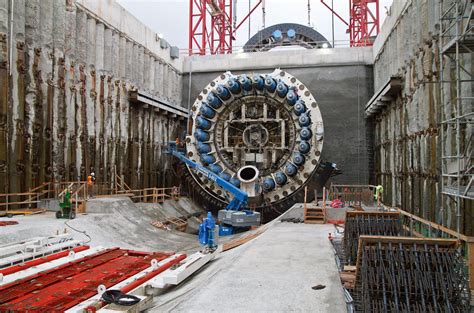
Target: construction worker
378, 194
90, 183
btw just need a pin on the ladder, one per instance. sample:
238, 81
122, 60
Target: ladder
314, 214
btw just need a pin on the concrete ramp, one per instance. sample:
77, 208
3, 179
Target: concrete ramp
109, 222
181, 208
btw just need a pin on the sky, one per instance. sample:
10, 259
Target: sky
170, 17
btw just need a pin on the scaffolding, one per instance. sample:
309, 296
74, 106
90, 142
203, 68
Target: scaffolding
456, 45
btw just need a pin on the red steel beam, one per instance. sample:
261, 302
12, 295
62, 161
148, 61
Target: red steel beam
20, 267
248, 15
334, 12
364, 22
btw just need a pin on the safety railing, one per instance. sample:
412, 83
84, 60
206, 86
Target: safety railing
24, 200
153, 195
81, 191
354, 195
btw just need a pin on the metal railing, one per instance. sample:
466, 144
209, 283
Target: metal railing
81, 191
354, 195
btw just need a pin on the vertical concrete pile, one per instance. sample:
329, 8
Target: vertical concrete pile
65, 79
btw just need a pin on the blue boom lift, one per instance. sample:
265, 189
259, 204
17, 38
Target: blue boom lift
235, 215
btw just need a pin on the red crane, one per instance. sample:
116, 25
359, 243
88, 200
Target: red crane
212, 26
364, 21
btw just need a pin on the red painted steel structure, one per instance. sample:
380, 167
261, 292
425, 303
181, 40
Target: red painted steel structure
211, 26
364, 21
215, 37
67, 285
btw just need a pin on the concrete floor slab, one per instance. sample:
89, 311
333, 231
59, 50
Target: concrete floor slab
272, 273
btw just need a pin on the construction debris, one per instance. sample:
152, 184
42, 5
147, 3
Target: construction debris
7, 223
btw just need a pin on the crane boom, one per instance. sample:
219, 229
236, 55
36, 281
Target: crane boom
235, 213
239, 201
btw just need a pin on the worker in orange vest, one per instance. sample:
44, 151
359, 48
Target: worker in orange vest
89, 180
90, 183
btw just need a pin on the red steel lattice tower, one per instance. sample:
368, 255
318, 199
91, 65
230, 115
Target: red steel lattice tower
210, 27
364, 22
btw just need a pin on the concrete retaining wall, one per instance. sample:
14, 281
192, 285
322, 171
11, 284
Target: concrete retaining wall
65, 109
408, 133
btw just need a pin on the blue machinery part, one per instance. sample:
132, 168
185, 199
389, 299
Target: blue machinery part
270, 84
282, 89
214, 101
291, 33
201, 135
291, 97
234, 86
305, 133
268, 184
298, 159
203, 123
235, 214
299, 107
223, 92
208, 158
258, 82
287, 34
291, 169
206, 111
207, 232
277, 35
245, 82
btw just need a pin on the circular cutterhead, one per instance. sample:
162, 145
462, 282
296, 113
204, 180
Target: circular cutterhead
265, 125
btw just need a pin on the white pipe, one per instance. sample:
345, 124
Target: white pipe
248, 183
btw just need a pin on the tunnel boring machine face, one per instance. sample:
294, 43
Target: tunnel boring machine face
261, 132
